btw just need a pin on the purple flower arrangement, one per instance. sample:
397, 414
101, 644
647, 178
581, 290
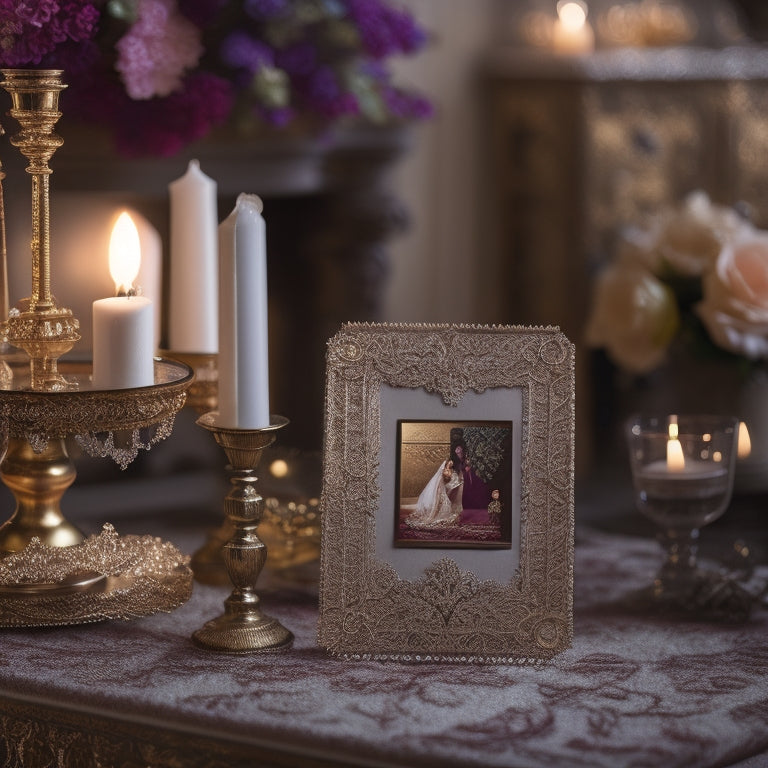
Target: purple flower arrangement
160, 74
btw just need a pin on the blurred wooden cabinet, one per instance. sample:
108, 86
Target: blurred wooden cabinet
583, 145
579, 146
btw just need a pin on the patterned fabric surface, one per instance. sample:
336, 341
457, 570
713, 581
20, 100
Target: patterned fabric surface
633, 690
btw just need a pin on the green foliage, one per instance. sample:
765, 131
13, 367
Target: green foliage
485, 447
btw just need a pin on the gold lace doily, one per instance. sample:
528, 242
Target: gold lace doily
108, 576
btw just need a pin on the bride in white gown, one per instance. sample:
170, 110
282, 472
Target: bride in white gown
440, 503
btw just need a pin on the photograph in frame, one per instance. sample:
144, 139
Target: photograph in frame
454, 484
383, 599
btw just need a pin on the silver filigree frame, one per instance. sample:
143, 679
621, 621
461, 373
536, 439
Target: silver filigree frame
449, 612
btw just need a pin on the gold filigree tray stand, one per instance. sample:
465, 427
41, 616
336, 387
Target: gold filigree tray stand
37, 467
50, 574
41, 405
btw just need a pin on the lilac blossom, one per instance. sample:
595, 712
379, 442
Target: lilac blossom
298, 59
156, 51
407, 105
324, 94
277, 118
384, 30
241, 51
262, 10
181, 67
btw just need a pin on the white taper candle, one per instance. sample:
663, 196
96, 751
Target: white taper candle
193, 314
243, 333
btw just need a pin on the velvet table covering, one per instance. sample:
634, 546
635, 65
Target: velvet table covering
634, 690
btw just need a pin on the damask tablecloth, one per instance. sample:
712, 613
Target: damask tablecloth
634, 690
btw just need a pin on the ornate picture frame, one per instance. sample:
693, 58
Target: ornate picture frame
499, 605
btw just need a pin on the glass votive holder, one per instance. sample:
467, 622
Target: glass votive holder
682, 473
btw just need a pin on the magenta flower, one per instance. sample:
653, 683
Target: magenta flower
38, 13
164, 127
31, 30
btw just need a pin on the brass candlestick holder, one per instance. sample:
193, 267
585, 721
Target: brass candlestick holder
203, 394
243, 628
38, 326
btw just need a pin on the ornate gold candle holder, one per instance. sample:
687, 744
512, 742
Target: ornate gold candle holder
39, 327
48, 574
243, 628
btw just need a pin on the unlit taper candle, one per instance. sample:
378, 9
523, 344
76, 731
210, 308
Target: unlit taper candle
192, 321
243, 334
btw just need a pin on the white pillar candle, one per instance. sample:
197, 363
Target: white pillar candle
83, 224
243, 337
123, 326
193, 314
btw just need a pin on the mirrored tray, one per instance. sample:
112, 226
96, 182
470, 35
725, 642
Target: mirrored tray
82, 409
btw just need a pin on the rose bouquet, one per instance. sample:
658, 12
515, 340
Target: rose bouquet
696, 274
159, 74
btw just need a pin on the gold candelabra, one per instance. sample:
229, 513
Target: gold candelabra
243, 627
40, 409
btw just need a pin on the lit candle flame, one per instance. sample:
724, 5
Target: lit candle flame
744, 447
572, 14
124, 254
675, 457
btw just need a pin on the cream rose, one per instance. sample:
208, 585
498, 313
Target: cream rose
690, 239
634, 317
735, 304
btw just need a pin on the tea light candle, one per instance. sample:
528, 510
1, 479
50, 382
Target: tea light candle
123, 326
692, 470
192, 319
682, 468
676, 466
243, 337
682, 478
572, 33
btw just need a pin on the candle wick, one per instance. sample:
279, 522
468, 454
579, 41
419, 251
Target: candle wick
127, 292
